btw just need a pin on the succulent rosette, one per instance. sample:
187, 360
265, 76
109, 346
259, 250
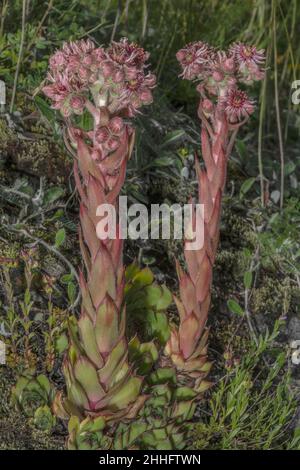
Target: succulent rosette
43, 418
32, 392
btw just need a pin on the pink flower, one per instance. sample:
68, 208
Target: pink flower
194, 58
245, 54
237, 105
249, 61
57, 60
58, 90
126, 53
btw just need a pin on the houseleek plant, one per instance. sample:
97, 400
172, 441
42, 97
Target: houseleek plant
122, 393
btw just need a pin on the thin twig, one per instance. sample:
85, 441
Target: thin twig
145, 18
116, 22
19, 57
231, 143
277, 108
3, 16
260, 138
40, 25
246, 298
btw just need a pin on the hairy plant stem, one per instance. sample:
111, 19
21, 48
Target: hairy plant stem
277, 106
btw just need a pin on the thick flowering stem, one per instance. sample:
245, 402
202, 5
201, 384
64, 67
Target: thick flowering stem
109, 85
222, 110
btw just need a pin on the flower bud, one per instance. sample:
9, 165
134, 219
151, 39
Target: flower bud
231, 82
83, 73
207, 106
146, 96
229, 65
77, 103
87, 60
102, 135
96, 155
131, 73
180, 55
118, 76
218, 76
66, 110
112, 144
116, 125
108, 69
151, 80
57, 60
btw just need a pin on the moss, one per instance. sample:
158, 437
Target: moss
272, 297
230, 262
7, 142
10, 251
235, 228
42, 158
171, 190
7, 137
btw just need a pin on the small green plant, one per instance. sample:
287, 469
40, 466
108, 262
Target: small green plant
31, 393
251, 408
43, 418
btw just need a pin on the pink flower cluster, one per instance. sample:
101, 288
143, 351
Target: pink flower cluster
194, 59
219, 73
115, 77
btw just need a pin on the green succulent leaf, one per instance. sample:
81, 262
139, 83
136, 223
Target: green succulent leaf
44, 419
163, 375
